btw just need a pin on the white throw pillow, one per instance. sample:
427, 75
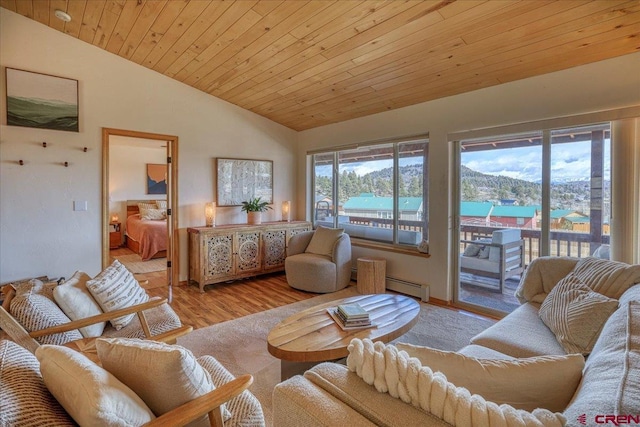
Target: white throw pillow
147, 205
576, 314
116, 288
76, 301
162, 204
323, 241
547, 382
153, 214
90, 394
164, 376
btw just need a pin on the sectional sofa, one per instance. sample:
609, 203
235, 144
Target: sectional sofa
572, 347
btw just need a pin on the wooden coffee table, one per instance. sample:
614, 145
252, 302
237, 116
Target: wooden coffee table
312, 336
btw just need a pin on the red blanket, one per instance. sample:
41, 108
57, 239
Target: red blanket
152, 235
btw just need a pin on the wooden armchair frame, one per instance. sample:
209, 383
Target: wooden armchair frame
28, 339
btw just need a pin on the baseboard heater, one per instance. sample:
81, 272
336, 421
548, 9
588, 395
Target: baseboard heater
402, 286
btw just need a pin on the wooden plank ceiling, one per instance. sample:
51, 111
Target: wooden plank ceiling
310, 63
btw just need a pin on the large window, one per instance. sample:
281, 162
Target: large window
377, 192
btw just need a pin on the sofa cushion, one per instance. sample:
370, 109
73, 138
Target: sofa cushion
323, 241
90, 394
610, 383
576, 314
481, 352
347, 387
527, 383
24, 399
610, 278
76, 301
299, 402
631, 294
115, 288
138, 363
34, 308
403, 377
541, 276
506, 336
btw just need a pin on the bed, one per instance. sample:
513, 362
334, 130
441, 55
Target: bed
147, 238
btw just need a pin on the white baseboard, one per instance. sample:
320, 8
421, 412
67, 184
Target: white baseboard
402, 286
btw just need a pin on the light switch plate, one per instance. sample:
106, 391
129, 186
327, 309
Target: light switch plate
80, 205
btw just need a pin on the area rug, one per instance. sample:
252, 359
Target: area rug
134, 263
241, 344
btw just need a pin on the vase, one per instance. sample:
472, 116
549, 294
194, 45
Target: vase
254, 218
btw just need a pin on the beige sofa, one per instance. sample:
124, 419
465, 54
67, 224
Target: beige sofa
330, 394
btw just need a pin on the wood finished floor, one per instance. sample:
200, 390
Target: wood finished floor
222, 301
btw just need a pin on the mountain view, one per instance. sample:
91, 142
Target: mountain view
475, 186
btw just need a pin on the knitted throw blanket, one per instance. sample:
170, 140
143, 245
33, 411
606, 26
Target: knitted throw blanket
394, 372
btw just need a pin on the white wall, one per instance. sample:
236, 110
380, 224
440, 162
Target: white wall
39, 232
600, 86
128, 159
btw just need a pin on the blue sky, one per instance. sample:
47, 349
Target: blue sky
569, 162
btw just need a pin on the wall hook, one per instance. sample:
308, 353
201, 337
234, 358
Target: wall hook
20, 162
85, 149
66, 164
44, 144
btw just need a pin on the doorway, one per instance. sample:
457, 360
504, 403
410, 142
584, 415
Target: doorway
119, 214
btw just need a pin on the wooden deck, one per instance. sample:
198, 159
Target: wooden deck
483, 291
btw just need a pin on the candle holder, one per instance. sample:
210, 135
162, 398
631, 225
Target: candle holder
286, 210
210, 214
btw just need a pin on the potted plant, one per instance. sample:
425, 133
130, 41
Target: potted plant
254, 208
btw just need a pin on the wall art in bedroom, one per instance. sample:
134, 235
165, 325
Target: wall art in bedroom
41, 101
156, 178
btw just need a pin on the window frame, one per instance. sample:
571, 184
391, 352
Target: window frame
396, 214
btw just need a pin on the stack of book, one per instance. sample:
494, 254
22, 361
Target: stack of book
351, 316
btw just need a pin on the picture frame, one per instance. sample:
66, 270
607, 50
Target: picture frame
238, 180
156, 178
41, 101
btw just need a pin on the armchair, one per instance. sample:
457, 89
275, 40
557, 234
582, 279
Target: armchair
500, 257
319, 261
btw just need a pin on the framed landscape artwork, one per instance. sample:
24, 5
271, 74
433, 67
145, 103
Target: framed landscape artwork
156, 178
41, 101
238, 180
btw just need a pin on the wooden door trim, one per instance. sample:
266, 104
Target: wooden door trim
173, 251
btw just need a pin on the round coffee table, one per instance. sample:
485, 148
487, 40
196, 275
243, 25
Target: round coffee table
312, 335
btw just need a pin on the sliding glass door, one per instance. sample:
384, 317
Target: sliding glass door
528, 195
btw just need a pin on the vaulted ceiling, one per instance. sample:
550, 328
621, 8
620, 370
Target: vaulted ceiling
310, 63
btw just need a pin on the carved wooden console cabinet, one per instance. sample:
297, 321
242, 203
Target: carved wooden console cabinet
228, 252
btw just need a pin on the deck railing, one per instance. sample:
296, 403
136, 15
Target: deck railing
563, 242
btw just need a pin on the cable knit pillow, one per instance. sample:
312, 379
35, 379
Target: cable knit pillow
90, 394
535, 382
323, 241
34, 308
137, 363
403, 377
76, 301
576, 314
116, 288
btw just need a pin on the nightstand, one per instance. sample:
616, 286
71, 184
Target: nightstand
115, 235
